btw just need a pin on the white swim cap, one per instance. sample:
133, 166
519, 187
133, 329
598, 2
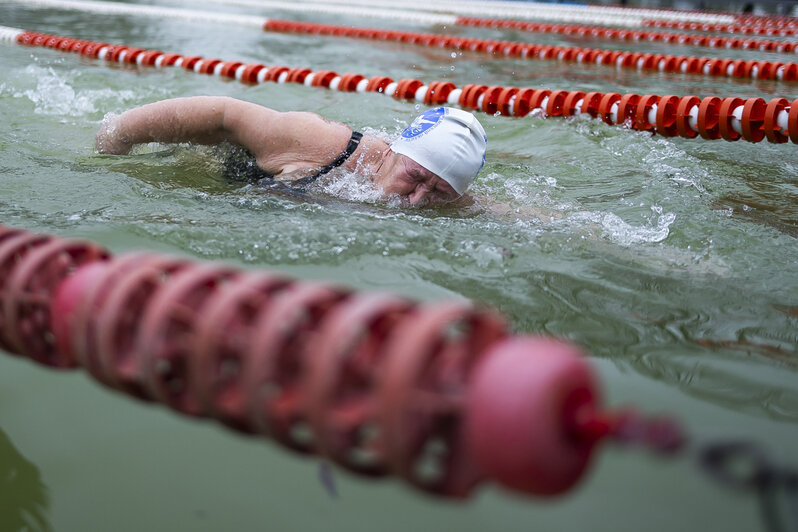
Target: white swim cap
448, 142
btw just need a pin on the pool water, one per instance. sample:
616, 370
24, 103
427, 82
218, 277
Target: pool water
672, 261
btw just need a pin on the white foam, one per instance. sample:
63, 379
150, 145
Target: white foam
55, 95
352, 186
625, 234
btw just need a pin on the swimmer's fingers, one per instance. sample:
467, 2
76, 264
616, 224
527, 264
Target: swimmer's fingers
109, 141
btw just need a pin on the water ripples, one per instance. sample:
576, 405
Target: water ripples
675, 258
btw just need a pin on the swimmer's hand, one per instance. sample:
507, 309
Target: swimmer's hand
110, 139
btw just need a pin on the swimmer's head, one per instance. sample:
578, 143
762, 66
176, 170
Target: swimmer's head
448, 142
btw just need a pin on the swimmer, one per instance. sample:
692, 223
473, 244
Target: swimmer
433, 161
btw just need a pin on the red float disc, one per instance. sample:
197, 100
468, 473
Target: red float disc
725, 117
556, 102
490, 100
770, 126
521, 413
168, 324
117, 323
641, 112
666, 115
627, 109
429, 358
438, 92
29, 291
215, 368
521, 105
343, 359
708, 117
82, 326
590, 103
274, 369
792, 121
570, 101
68, 297
503, 100
753, 119
605, 107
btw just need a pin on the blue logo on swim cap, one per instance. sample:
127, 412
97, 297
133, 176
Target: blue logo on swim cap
423, 122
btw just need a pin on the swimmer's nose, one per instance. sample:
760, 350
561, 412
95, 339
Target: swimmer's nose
418, 196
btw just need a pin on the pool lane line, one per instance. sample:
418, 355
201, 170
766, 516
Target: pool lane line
548, 13
774, 31
711, 118
611, 15
642, 62
606, 14
373, 378
546, 10
685, 39
596, 32
448, 13
773, 21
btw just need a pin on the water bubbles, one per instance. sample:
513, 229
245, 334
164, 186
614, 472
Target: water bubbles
352, 186
452, 68
625, 234
55, 95
454, 55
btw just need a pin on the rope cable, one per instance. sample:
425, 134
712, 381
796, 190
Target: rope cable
605, 32
774, 70
711, 118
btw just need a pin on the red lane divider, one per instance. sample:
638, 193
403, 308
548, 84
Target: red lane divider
633, 35
776, 31
641, 61
710, 118
779, 21
438, 394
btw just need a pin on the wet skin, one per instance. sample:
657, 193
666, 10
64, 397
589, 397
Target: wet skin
398, 175
282, 143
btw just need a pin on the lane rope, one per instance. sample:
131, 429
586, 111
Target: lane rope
545, 10
600, 32
460, 8
716, 67
405, 15
711, 118
706, 66
374, 379
373, 382
675, 15
780, 31
683, 39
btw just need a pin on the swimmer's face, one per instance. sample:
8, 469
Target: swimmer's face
413, 183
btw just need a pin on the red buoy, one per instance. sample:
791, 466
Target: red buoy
68, 296
529, 398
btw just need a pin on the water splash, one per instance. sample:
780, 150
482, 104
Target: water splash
352, 186
55, 95
625, 234
612, 227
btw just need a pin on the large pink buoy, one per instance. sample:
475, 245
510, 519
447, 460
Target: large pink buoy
68, 296
527, 405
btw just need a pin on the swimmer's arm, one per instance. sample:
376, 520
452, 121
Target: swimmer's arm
276, 139
198, 119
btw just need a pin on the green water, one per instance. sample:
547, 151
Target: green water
672, 261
